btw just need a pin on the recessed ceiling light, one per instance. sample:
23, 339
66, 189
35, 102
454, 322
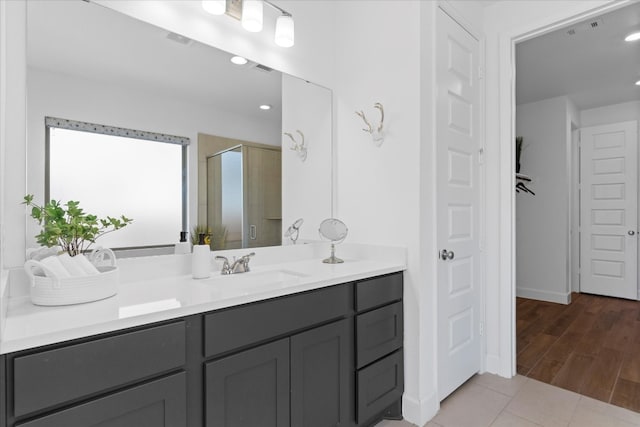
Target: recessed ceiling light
638, 83
265, 107
239, 60
633, 37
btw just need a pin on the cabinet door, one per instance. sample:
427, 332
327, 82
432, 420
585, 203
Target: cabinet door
249, 389
160, 403
322, 376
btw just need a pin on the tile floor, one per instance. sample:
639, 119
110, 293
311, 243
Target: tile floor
491, 401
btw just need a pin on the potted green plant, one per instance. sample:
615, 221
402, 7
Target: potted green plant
68, 226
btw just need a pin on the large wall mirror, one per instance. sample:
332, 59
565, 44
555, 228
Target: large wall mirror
110, 73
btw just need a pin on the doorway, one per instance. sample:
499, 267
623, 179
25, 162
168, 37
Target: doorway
582, 231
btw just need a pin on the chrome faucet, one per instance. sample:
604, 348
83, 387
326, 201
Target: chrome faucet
240, 265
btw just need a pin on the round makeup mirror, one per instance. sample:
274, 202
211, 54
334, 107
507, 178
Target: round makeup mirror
335, 231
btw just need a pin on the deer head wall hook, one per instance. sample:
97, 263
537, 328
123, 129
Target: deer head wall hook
376, 133
299, 148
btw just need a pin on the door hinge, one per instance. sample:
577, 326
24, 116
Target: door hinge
481, 156
481, 329
480, 73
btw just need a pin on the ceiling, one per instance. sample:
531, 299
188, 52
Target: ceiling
590, 62
84, 39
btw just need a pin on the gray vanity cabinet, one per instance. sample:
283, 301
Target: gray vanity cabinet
330, 357
379, 356
250, 388
322, 376
160, 403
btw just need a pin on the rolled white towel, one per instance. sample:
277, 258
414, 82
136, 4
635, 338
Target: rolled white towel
85, 264
55, 267
71, 265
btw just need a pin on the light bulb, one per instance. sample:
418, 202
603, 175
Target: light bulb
633, 37
215, 7
252, 15
638, 83
239, 60
285, 35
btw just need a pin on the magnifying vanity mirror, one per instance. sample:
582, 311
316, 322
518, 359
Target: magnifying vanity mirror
335, 231
110, 73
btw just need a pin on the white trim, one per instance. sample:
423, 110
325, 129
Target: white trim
557, 297
425, 409
450, 9
506, 53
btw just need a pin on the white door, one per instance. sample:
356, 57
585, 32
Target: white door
608, 210
458, 204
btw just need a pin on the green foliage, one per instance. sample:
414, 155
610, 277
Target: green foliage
69, 227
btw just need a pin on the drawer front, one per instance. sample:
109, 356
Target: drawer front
378, 291
250, 324
52, 377
379, 332
379, 386
160, 403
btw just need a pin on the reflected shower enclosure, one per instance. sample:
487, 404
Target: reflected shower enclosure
244, 193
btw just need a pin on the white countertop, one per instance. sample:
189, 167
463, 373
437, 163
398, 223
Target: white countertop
157, 288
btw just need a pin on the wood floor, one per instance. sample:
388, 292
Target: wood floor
591, 346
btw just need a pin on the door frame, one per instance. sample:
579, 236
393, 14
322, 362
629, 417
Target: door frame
507, 201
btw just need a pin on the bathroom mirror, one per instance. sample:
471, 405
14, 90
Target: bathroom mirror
91, 64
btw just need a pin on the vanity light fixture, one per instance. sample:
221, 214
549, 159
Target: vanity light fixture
215, 7
285, 35
250, 13
239, 60
265, 107
633, 37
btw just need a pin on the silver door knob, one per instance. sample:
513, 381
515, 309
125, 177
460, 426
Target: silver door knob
631, 233
445, 254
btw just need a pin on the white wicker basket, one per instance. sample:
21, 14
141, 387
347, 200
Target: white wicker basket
72, 290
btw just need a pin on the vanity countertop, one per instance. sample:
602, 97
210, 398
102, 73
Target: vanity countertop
148, 294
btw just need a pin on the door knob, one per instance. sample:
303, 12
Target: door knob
445, 254
631, 233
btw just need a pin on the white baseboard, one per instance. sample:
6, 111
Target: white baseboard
492, 364
561, 298
420, 412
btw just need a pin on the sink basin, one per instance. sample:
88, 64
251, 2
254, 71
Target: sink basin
255, 280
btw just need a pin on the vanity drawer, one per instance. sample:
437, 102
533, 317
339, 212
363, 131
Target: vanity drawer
379, 386
379, 332
52, 377
250, 324
378, 291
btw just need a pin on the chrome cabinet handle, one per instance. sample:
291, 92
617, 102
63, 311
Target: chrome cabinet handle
445, 254
631, 233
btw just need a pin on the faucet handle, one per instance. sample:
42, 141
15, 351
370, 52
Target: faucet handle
226, 268
247, 256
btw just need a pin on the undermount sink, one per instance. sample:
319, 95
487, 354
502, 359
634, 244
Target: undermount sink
255, 280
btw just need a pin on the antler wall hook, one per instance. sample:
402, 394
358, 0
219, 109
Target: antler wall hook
299, 148
376, 133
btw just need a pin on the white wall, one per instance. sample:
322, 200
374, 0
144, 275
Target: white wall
542, 221
69, 97
306, 185
610, 114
